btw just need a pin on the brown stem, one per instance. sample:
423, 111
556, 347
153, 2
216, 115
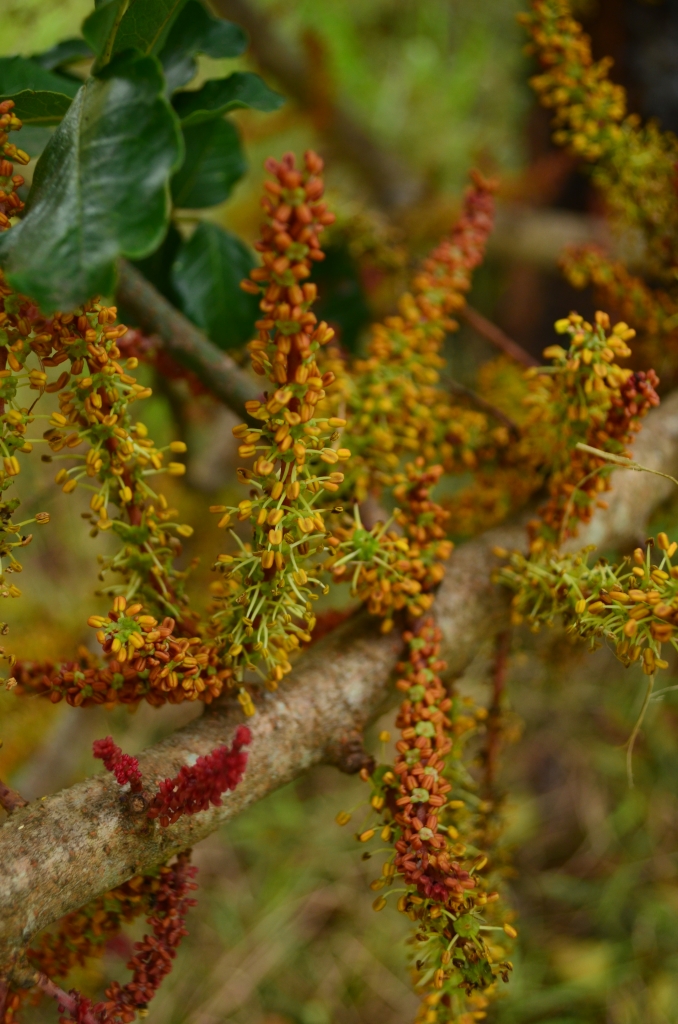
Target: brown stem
60, 853
11, 800
65, 1000
502, 647
392, 184
495, 335
183, 340
481, 403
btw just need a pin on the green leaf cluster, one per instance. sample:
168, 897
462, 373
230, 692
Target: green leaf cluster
126, 145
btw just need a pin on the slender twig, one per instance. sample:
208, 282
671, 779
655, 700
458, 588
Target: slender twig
65, 1000
636, 730
502, 647
623, 461
10, 800
495, 335
481, 403
183, 340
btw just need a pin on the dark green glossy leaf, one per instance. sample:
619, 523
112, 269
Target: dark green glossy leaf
217, 97
146, 24
99, 190
214, 162
341, 297
40, 108
142, 26
67, 52
207, 276
197, 31
20, 73
157, 268
101, 25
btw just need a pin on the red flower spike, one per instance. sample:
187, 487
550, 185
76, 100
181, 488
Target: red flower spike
202, 784
124, 766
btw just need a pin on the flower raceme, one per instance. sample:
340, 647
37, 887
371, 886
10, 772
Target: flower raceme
633, 165
193, 789
583, 396
263, 610
423, 803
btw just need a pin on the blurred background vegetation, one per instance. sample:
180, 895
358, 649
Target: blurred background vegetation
284, 932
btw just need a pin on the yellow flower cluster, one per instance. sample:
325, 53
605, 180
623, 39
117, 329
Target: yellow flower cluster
583, 397
653, 312
428, 813
263, 606
633, 605
393, 399
634, 165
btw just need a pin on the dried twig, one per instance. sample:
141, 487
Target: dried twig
480, 403
495, 335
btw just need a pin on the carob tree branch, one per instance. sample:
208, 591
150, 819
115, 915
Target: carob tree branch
392, 184
496, 336
183, 340
61, 852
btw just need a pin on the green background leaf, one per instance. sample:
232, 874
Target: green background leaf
145, 25
197, 31
20, 73
241, 89
64, 53
207, 275
100, 188
214, 162
40, 108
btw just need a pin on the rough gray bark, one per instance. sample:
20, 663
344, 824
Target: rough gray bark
61, 852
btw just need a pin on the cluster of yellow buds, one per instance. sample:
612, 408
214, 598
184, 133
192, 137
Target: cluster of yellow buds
10, 204
427, 814
653, 312
264, 605
633, 605
393, 398
633, 164
583, 397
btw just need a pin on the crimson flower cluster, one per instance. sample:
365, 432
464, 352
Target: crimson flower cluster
202, 784
124, 766
193, 789
152, 960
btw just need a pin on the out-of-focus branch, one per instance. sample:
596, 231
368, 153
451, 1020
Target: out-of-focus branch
392, 184
62, 852
496, 336
481, 403
183, 340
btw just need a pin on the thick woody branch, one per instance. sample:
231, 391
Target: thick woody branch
183, 340
59, 853
392, 184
